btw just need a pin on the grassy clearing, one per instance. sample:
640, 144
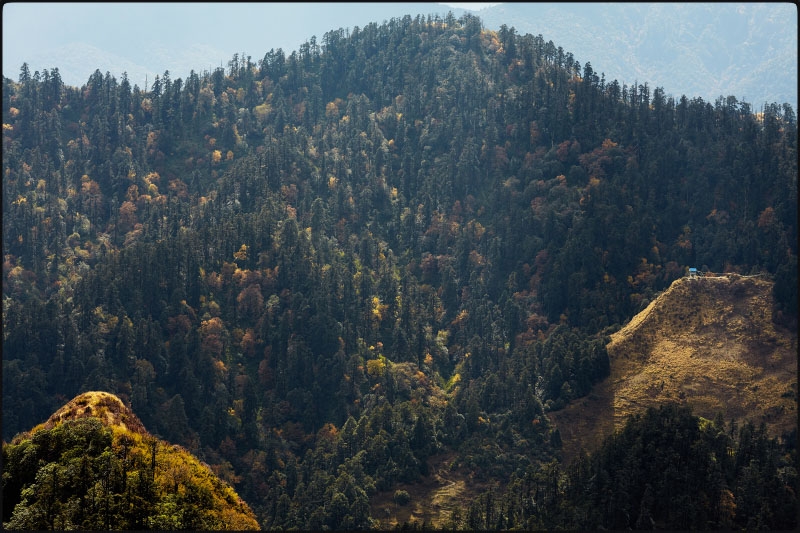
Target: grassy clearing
710, 343
433, 499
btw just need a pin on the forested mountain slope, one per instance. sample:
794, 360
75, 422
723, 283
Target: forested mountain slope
93, 465
321, 272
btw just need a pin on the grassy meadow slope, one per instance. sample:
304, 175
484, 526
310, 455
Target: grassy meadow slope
709, 342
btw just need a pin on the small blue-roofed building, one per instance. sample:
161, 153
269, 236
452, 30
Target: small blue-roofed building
692, 272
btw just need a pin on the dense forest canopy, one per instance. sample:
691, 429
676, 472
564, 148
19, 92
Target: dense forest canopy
318, 270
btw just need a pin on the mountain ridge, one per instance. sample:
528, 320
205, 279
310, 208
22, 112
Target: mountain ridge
697, 50
706, 50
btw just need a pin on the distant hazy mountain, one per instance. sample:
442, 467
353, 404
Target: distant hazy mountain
747, 50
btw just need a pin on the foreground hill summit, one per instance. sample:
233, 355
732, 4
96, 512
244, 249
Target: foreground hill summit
708, 342
93, 465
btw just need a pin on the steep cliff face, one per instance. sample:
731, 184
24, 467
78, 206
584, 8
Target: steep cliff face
93, 465
708, 342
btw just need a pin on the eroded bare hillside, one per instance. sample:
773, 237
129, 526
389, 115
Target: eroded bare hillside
709, 342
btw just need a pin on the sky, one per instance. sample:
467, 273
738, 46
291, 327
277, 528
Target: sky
472, 6
144, 39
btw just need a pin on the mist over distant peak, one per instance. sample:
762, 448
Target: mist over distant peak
699, 50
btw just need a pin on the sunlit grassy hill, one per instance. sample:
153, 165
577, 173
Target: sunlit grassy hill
93, 465
709, 342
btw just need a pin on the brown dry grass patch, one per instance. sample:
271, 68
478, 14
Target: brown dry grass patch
710, 343
433, 498
97, 404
